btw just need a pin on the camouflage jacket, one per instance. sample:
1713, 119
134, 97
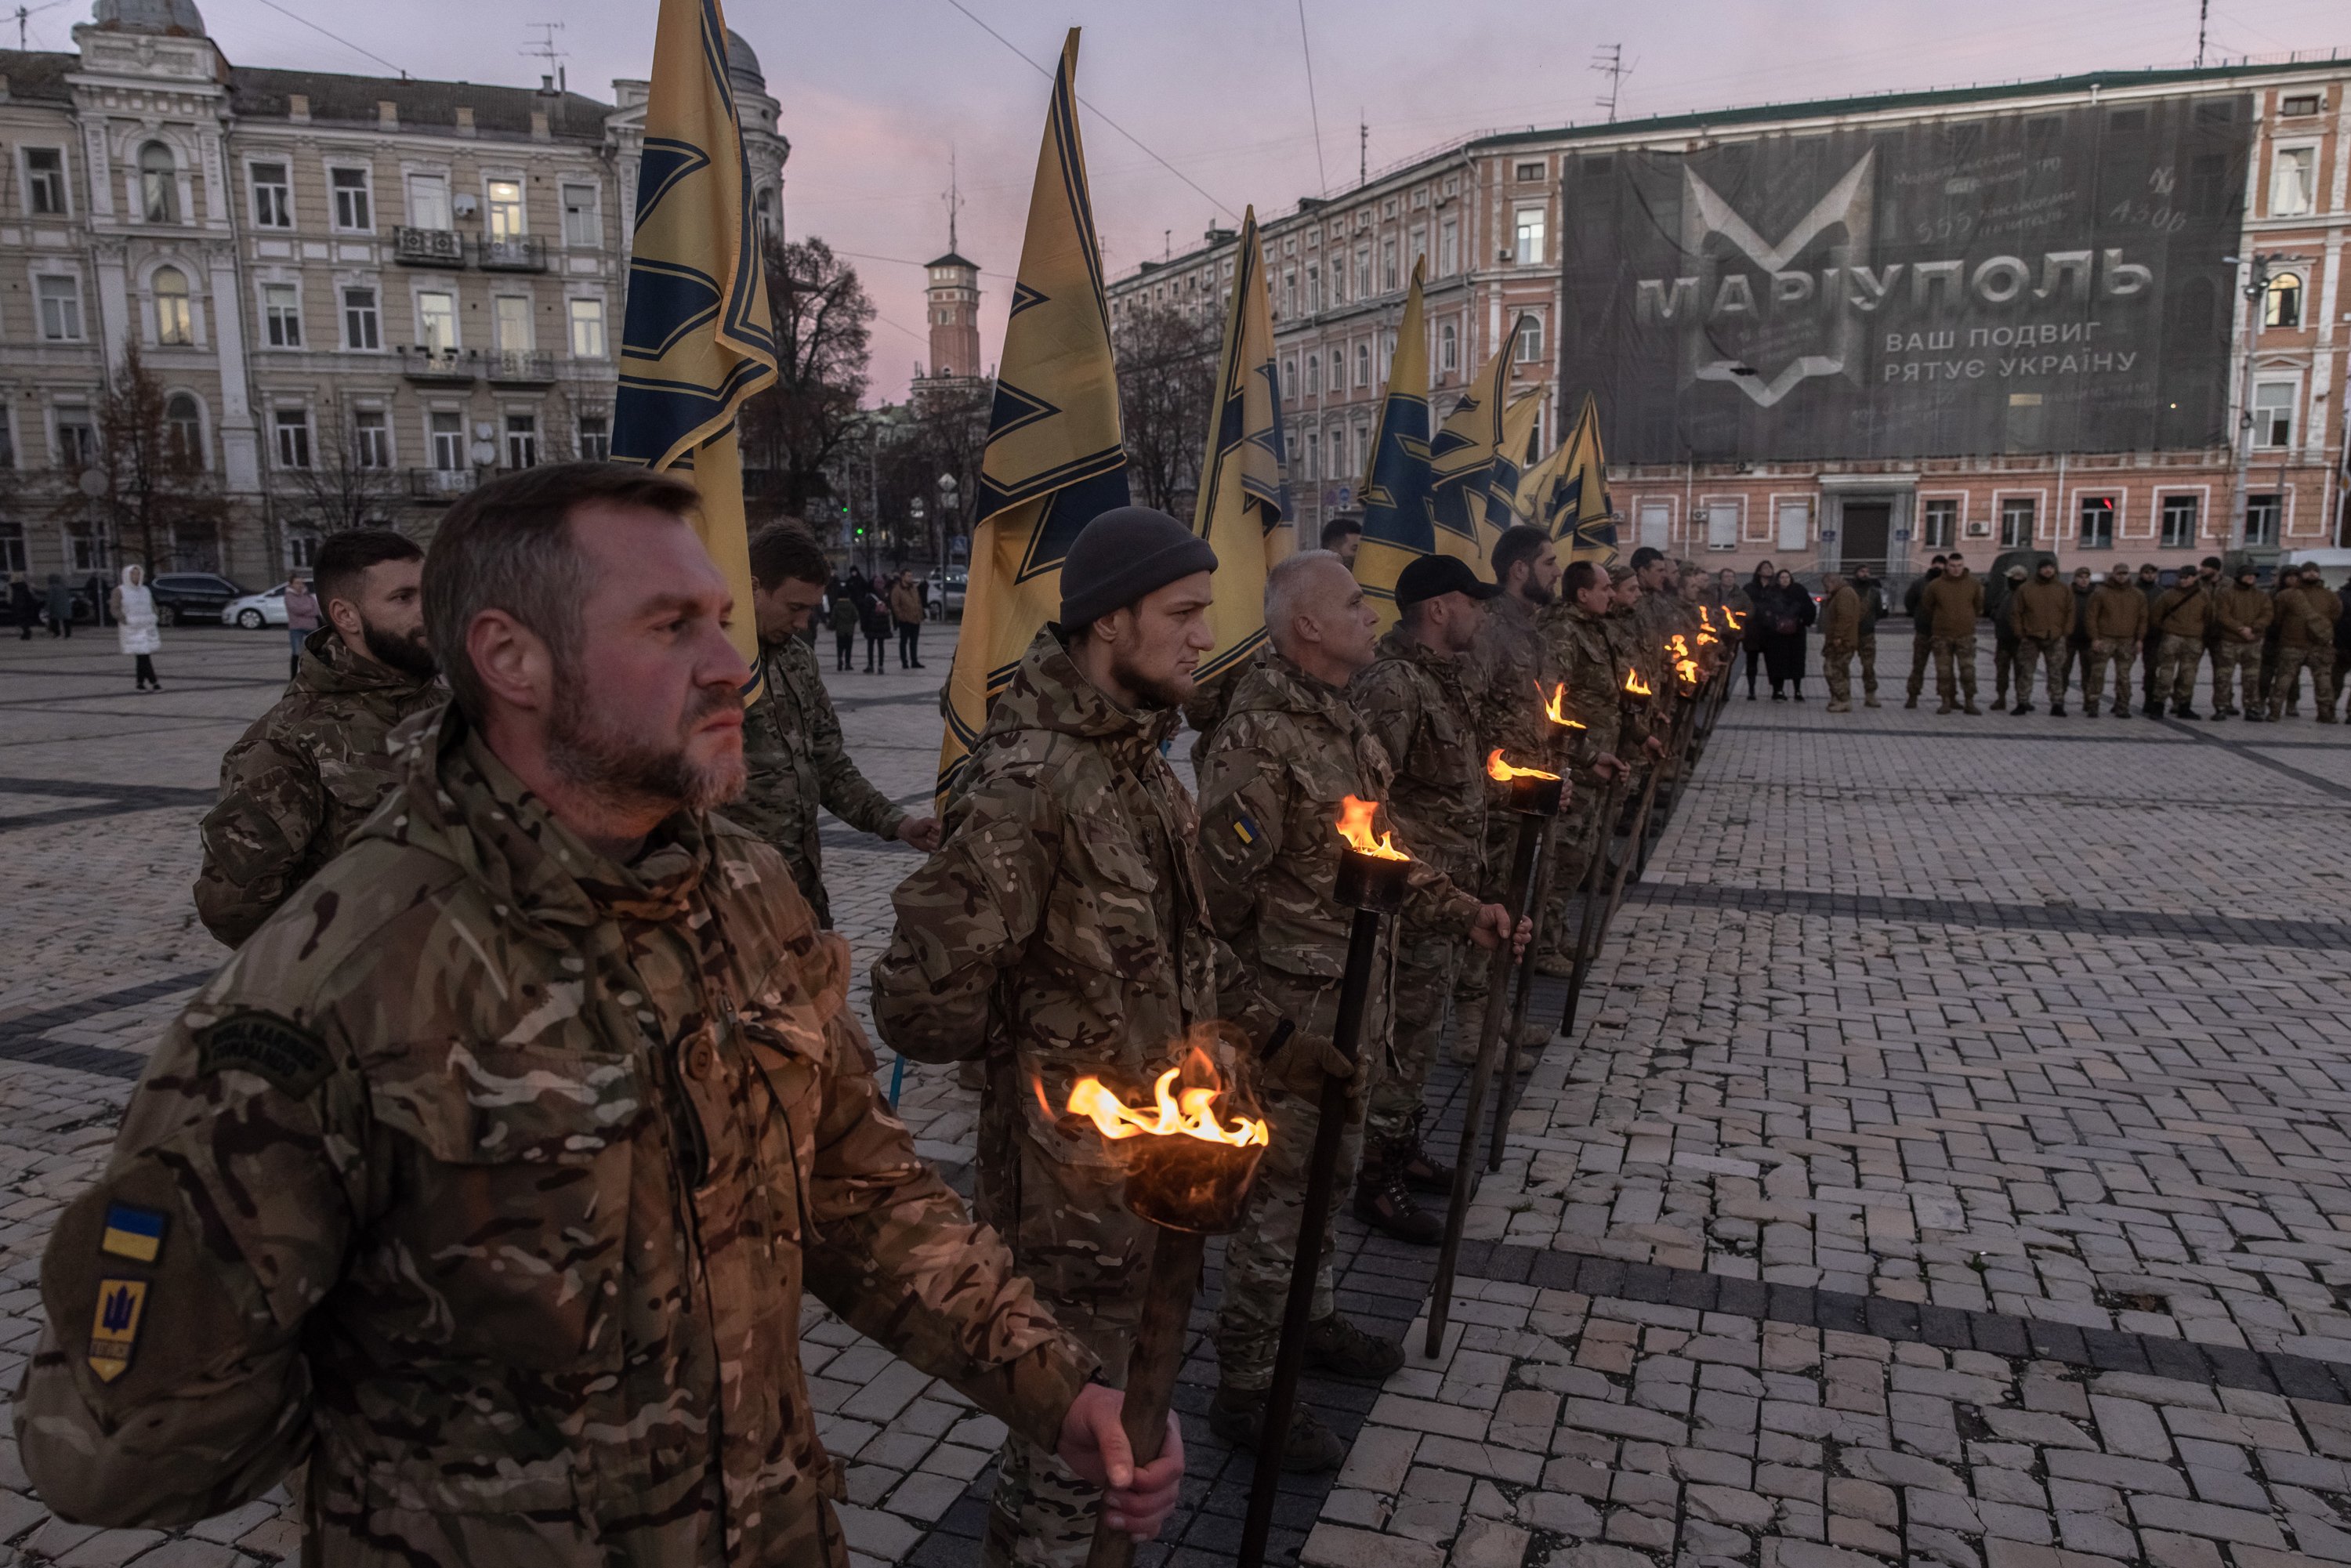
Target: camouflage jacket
1629, 651
2306, 617
793, 752
1514, 674
1581, 650
1416, 703
487, 1177
299, 781
1271, 780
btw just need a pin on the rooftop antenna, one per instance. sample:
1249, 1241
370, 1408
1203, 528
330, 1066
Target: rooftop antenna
545, 50
1363, 148
2203, 15
954, 199
1609, 61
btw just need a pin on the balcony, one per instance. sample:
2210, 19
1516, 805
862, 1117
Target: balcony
514, 253
428, 247
436, 484
439, 367
518, 368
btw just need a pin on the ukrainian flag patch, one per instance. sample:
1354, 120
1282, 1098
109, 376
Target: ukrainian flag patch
133, 1233
1245, 829
114, 1327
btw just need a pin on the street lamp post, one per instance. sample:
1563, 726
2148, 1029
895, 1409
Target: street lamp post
948, 515
2258, 277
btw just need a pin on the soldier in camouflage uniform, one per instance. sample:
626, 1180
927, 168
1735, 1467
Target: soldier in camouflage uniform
1416, 698
1060, 933
1272, 779
791, 736
487, 1175
306, 774
1510, 675
1576, 631
2306, 614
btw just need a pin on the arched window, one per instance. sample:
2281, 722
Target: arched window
174, 321
763, 211
159, 183
1449, 347
183, 427
2281, 306
1314, 373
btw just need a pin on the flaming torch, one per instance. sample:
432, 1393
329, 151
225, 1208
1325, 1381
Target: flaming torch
1539, 897
1371, 881
1684, 666
1535, 795
1188, 1172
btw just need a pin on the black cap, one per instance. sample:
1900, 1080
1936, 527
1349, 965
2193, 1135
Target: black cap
1435, 576
1124, 554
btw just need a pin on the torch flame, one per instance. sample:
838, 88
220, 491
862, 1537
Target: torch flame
1679, 646
1731, 616
1555, 706
1635, 686
1502, 772
1356, 827
1704, 619
1191, 1114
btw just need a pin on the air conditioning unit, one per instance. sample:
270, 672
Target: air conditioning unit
464, 206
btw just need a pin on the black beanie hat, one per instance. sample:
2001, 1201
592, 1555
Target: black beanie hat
1121, 555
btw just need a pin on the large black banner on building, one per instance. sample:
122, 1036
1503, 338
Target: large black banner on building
2025, 282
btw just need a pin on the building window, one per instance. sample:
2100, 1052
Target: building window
183, 429
1795, 525
1289, 292
174, 321
1449, 347
7, 441
1448, 247
763, 211
1531, 341
1363, 364
1940, 529
293, 427
2263, 513
1314, 373
301, 550
1416, 246
44, 180
522, 441
1290, 380
506, 209
2282, 305
281, 315
447, 428
1527, 246
60, 308
159, 184
2179, 522
1313, 288
77, 438
12, 558
1721, 524
587, 328
583, 229
371, 438
437, 316
2274, 414
1310, 458
2294, 103
510, 315
273, 197
361, 329
428, 201
1530, 173
354, 208
2016, 515
2290, 186
2097, 518
596, 437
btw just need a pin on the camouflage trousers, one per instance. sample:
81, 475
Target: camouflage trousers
2003, 665
1427, 964
1922, 649
2031, 653
1259, 1257
2175, 672
2236, 667
1955, 667
1836, 666
2119, 652
1866, 648
2290, 663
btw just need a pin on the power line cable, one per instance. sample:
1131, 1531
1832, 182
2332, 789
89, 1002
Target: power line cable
355, 49
1312, 112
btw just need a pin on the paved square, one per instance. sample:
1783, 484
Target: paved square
1952, 1169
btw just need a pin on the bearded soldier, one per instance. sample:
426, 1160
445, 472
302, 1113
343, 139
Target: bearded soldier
1273, 778
306, 774
488, 1174
1576, 630
1060, 933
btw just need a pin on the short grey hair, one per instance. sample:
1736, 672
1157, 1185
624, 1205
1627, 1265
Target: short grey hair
1286, 588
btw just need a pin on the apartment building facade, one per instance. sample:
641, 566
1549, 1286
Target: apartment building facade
2050, 211
358, 295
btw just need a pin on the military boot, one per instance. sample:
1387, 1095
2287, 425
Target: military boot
1385, 1202
2057, 710
2020, 710
1308, 1448
1337, 1346
1971, 708
1555, 966
1422, 1172
2181, 710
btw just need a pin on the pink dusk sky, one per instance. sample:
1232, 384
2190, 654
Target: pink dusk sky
875, 95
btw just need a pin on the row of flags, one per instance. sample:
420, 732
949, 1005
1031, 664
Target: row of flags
698, 341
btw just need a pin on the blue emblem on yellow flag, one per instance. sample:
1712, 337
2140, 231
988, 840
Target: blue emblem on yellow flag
1243, 510
1398, 527
1056, 459
697, 339
1461, 459
133, 1233
114, 1326
1567, 494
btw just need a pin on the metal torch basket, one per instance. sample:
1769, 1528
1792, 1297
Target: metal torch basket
1190, 1183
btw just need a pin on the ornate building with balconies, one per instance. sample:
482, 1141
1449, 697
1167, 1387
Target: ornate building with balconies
356, 295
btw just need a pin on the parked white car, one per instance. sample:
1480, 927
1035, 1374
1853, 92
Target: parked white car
255, 610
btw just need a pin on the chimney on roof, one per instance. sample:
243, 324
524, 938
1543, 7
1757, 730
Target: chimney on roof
546, 84
539, 132
298, 107
465, 119
387, 114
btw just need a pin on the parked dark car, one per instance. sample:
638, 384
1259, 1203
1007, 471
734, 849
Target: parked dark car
184, 596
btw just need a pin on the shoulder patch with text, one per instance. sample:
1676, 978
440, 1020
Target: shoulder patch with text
291, 1058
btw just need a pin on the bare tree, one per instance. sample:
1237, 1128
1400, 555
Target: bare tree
1166, 376
155, 484
794, 433
349, 483
945, 435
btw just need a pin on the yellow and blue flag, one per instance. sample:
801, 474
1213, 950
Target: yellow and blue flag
697, 339
1243, 509
1398, 527
131, 1232
1513, 460
1055, 457
1567, 496
1461, 458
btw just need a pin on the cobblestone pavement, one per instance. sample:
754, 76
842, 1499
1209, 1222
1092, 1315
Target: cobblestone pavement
1950, 1171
